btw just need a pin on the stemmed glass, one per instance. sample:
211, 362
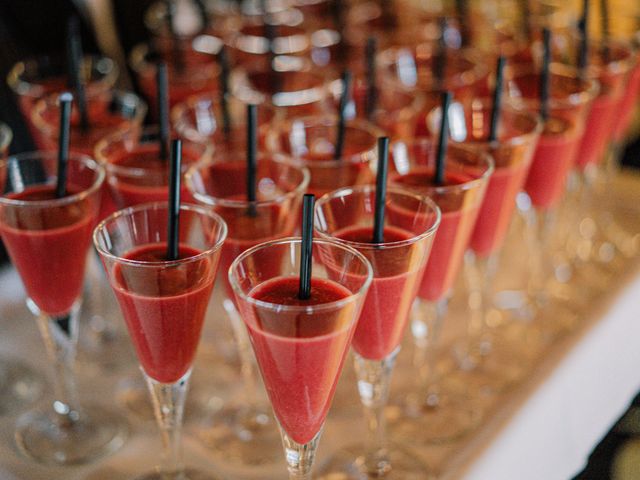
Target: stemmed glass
347, 216
428, 412
243, 432
300, 345
19, 384
48, 239
311, 141
163, 303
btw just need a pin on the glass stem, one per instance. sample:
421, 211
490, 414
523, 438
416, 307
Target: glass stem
300, 457
245, 352
60, 335
426, 326
374, 378
168, 407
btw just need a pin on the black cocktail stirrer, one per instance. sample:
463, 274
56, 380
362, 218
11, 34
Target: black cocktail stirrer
372, 92
75, 55
65, 100
604, 18
583, 52
443, 139
497, 100
173, 226
544, 75
162, 86
306, 247
342, 108
381, 190
252, 154
440, 58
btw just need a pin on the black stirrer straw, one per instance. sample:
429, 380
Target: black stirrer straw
306, 247
223, 60
162, 85
381, 189
443, 139
202, 13
75, 55
525, 11
544, 75
583, 27
497, 100
344, 101
173, 227
440, 59
65, 100
252, 153
372, 92
463, 14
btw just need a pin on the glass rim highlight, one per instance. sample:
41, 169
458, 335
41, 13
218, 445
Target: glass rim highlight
99, 240
237, 289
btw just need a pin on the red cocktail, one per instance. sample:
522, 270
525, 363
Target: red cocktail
163, 302
300, 345
48, 240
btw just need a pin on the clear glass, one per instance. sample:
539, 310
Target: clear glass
411, 221
243, 432
163, 303
300, 348
311, 141
48, 239
35, 78
430, 411
517, 138
20, 385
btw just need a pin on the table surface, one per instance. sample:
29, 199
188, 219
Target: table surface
544, 427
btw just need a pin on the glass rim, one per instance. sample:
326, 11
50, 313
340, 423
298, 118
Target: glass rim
444, 189
23, 87
299, 308
47, 101
56, 202
120, 136
342, 192
129, 211
515, 140
276, 157
6, 135
582, 97
283, 126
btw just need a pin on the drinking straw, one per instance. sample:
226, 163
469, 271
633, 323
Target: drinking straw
252, 147
440, 59
583, 54
381, 189
65, 99
344, 101
173, 227
202, 13
544, 77
497, 100
604, 18
306, 248
162, 86
74, 53
443, 139
372, 93
223, 60
463, 13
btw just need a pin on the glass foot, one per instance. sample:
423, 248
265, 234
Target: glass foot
49, 438
20, 386
348, 464
186, 474
242, 436
442, 419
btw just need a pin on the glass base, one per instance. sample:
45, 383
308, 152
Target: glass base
45, 437
20, 386
446, 419
242, 436
348, 464
186, 474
